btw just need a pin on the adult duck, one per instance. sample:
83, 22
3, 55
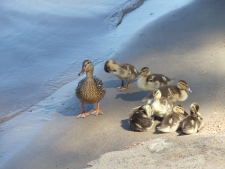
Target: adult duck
90, 90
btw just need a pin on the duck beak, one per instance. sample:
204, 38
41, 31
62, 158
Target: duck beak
189, 90
109, 69
185, 113
139, 75
82, 72
113, 69
147, 112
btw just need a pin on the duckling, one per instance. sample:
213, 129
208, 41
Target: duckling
192, 123
140, 119
90, 90
161, 105
149, 82
171, 121
177, 93
123, 71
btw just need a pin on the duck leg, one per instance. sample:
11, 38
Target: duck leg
124, 88
119, 87
83, 114
97, 111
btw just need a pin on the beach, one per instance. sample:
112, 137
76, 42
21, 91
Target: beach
187, 43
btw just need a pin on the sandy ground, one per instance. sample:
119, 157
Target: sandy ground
187, 44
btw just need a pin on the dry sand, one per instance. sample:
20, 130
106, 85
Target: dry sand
187, 44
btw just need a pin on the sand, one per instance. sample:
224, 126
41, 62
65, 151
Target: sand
188, 44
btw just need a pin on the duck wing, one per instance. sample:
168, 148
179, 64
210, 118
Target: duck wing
167, 92
132, 71
159, 78
99, 85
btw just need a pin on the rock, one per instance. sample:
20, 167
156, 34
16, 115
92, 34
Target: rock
193, 151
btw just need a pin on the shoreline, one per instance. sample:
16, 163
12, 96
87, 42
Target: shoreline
26, 96
48, 48
68, 142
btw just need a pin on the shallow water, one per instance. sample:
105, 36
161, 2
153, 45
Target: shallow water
43, 44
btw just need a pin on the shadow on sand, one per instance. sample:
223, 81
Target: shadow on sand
72, 107
135, 96
115, 83
125, 124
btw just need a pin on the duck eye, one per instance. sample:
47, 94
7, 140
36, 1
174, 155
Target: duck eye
88, 63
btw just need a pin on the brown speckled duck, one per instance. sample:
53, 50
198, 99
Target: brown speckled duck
140, 119
150, 82
123, 71
172, 121
90, 90
177, 93
192, 123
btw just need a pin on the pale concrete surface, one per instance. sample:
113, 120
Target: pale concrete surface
175, 152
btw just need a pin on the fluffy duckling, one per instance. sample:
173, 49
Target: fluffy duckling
160, 104
123, 71
150, 82
177, 93
192, 123
90, 90
171, 121
140, 119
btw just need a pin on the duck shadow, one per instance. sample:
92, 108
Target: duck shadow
158, 119
179, 131
125, 124
135, 96
72, 106
115, 83
156, 131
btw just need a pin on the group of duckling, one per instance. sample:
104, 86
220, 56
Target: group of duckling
160, 100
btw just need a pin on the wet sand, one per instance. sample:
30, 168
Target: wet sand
188, 44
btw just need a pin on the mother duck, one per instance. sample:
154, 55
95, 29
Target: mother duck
90, 90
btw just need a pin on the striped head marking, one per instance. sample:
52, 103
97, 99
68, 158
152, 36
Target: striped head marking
87, 65
194, 108
178, 109
183, 85
145, 71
